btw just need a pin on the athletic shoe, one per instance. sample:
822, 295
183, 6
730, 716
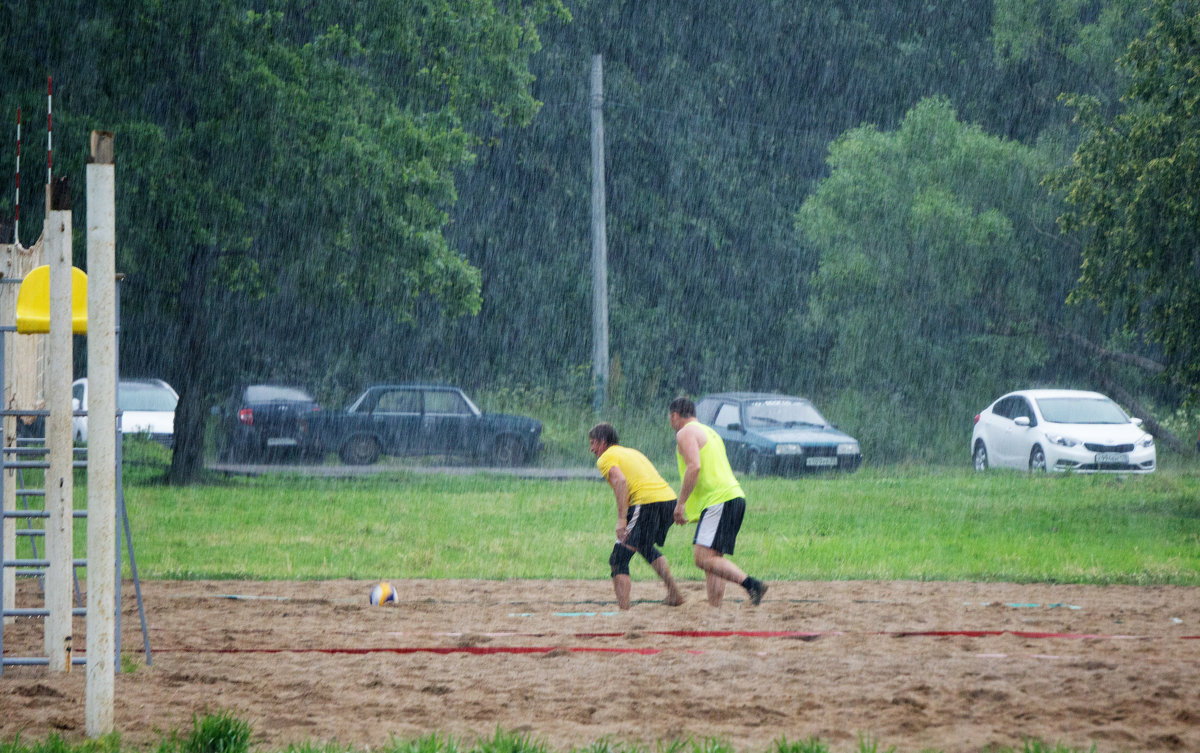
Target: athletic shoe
756, 592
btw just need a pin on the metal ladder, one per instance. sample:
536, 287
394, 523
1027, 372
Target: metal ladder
17, 459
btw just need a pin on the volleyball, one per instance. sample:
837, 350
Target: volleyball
382, 593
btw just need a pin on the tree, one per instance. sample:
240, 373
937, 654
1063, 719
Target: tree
1135, 189
300, 150
935, 273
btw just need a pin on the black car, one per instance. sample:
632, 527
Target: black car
266, 421
423, 419
777, 434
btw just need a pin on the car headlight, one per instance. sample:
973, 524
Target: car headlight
1061, 440
1146, 441
848, 448
788, 448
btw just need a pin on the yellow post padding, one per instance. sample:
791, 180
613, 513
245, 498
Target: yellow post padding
33, 302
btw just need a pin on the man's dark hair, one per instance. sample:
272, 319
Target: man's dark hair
684, 407
604, 432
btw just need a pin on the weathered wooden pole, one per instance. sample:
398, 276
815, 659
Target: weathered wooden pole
60, 485
102, 436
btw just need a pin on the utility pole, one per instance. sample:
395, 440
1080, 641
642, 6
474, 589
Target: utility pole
599, 244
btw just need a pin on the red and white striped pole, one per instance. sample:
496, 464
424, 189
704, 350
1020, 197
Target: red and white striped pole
17, 203
49, 129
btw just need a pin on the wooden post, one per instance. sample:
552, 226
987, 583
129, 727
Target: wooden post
102, 436
60, 483
599, 241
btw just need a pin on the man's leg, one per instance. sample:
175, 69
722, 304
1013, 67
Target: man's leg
621, 585
618, 563
714, 588
674, 595
717, 570
721, 535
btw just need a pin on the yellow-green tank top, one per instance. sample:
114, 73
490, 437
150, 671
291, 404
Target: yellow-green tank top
716, 482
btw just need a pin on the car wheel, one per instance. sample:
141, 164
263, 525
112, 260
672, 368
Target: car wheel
980, 456
361, 449
1037, 459
508, 451
756, 465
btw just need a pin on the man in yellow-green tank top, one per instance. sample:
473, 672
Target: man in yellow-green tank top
710, 496
645, 506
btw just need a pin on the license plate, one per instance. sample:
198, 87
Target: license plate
1112, 458
820, 461
281, 442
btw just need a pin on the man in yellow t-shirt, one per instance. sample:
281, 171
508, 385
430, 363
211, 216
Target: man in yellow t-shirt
645, 504
710, 494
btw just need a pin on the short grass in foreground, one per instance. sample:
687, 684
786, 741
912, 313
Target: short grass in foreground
224, 733
878, 524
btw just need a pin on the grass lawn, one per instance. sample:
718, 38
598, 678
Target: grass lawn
926, 524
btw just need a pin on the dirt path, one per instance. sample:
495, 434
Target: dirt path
946, 666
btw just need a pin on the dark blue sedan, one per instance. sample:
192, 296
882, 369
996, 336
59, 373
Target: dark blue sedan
766, 433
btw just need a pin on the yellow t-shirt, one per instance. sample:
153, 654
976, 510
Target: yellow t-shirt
645, 483
716, 482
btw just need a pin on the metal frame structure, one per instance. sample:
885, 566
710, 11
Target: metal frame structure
14, 459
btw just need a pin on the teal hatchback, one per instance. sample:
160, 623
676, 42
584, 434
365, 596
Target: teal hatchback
768, 433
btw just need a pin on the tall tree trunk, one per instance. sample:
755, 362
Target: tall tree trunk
192, 368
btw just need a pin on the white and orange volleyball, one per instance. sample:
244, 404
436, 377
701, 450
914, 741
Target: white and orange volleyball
382, 593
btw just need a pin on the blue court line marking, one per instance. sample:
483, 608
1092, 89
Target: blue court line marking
1024, 606
584, 614
566, 614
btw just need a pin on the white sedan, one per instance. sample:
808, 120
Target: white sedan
1060, 430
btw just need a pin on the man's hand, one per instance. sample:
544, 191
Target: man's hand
622, 530
681, 513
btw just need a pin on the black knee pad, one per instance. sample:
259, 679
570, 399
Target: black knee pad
619, 560
650, 552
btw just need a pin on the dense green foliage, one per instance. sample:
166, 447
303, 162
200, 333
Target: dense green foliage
941, 266
337, 193
303, 152
1135, 185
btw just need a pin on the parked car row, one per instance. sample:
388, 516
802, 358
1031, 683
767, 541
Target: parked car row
263, 421
764, 433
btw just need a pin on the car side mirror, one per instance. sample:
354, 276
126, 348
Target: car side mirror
736, 427
1137, 421
1021, 420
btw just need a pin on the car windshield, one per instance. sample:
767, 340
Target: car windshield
262, 393
762, 413
1081, 410
135, 396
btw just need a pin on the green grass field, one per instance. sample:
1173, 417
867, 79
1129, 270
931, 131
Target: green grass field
923, 524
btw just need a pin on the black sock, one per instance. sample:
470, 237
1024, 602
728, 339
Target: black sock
750, 583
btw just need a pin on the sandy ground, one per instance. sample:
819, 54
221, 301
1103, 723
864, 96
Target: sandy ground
914, 666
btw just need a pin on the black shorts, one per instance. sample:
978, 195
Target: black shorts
719, 525
648, 524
